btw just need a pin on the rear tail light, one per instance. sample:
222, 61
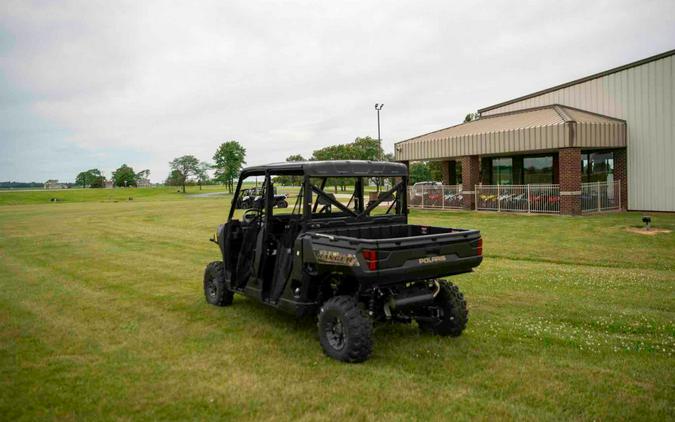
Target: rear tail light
370, 256
479, 247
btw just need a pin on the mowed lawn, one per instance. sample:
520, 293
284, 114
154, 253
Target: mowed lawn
102, 316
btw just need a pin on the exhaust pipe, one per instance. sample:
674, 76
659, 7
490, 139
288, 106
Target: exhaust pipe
411, 301
401, 303
406, 302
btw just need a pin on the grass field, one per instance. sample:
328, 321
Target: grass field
8, 197
102, 315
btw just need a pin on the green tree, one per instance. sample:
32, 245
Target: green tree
143, 174
228, 162
435, 170
124, 176
89, 177
335, 152
97, 182
295, 157
471, 117
290, 180
366, 148
362, 148
203, 173
187, 165
419, 172
175, 178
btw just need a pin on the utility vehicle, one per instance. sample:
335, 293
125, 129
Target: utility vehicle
333, 257
248, 197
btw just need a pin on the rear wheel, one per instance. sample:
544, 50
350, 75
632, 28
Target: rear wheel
215, 289
345, 330
449, 315
282, 204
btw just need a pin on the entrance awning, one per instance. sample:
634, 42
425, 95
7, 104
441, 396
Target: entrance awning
531, 130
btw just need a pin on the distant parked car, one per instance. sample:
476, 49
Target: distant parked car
421, 185
428, 193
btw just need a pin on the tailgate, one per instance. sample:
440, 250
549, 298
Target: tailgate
428, 256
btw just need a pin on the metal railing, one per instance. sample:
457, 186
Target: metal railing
435, 196
519, 198
600, 196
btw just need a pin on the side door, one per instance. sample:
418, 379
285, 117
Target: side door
245, 226
259, 253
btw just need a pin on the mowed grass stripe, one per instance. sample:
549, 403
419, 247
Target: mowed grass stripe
103, 314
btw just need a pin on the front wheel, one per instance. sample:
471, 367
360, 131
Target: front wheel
345, 330
448, 315
215, 290
282, 204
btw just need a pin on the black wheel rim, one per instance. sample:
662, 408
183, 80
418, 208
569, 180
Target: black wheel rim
211, 288
335, 333
437, 314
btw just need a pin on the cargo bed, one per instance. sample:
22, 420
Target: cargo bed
404, 252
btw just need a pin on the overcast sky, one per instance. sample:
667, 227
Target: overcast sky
89, 84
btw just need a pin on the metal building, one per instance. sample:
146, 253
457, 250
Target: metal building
620, 122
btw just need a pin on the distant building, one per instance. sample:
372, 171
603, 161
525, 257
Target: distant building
143, 183
54, 184
108, 184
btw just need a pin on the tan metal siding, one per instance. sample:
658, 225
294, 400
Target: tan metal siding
643, 96
519, 140
600, 135
532, 130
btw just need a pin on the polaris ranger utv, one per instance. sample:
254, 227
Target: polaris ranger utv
347, 263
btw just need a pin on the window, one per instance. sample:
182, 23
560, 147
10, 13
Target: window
537, 170
597, 166
455, 171
502, 171
458, 173
517, 170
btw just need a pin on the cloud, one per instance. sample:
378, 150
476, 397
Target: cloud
157, 80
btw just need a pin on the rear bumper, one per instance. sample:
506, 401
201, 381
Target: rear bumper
414, 270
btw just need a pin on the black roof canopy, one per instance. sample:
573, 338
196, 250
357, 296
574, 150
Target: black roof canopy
336, 168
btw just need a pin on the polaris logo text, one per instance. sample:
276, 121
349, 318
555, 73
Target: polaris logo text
431, 259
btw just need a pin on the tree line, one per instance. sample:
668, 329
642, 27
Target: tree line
362, 148
424, 171
230, 157
228, 161
124, 176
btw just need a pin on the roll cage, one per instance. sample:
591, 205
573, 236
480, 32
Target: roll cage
306, 206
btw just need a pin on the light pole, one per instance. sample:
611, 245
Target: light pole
378, 107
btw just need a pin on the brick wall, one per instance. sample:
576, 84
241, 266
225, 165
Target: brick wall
569, 175
621, 173
445, 169
470, 178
